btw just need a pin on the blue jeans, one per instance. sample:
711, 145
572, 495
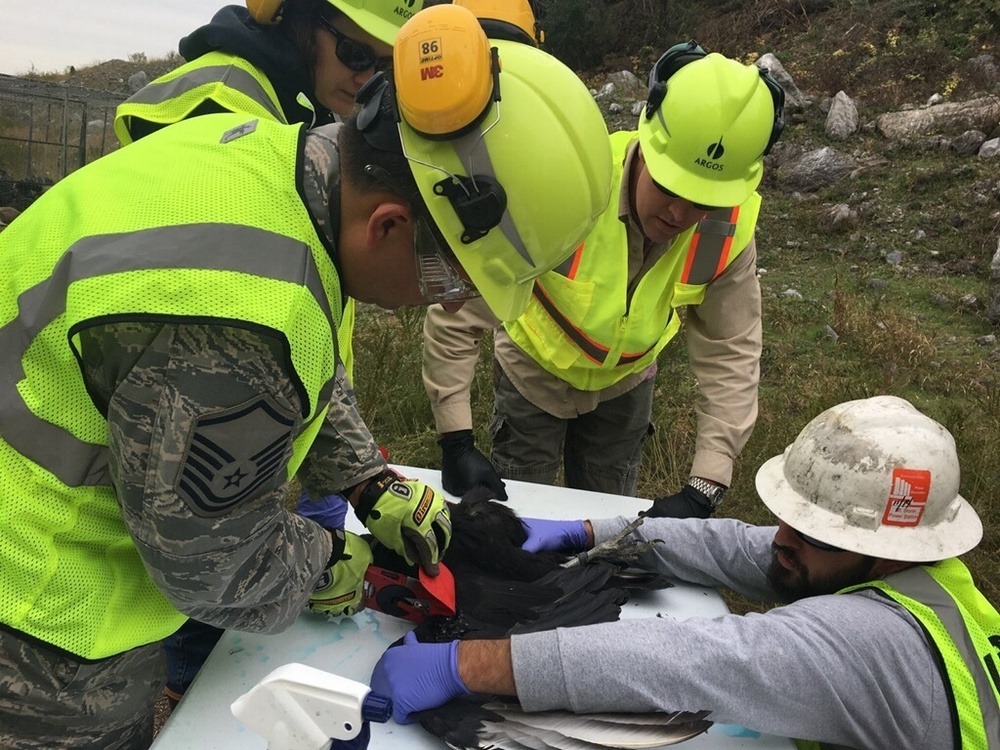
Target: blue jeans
186, 650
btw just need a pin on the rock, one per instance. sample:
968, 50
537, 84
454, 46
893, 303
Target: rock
137, 81
990, 149
816, 169
625, 80
842, 120
894, 257
843, 217
976, 114
794, 98
606, 90
968, 142
993, 305
984, 68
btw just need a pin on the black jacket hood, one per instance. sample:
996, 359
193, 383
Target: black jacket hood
232, 30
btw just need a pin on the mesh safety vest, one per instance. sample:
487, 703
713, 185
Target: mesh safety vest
233, 84
579, 325
200, 222
964, 629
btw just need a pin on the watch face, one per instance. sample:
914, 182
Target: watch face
713, 492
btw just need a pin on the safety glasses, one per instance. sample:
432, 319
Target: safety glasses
813, 542
357, 56
440, 280
672, 194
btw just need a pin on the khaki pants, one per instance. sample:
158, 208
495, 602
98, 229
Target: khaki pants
599, 451
51, 700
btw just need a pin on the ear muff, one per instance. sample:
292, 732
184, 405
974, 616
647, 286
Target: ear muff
267, 12
778, 97
680, 55
479, 201
669, 63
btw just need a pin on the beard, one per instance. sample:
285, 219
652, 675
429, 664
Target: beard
797, 583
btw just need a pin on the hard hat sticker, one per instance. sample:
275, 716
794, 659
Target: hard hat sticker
907, 497
430, 50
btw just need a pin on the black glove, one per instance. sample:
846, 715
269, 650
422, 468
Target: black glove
463, 466
688, 503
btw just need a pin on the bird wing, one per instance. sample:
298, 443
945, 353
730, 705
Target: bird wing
470, 724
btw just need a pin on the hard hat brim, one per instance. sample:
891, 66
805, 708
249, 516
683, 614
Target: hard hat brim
947, 538
507, 303
384, 31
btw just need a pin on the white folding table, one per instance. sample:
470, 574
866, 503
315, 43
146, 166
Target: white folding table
350, 647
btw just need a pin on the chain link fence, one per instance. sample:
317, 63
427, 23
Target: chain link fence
47, 130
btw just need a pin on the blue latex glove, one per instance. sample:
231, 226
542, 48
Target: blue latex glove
329, 511
418, 676
545, 535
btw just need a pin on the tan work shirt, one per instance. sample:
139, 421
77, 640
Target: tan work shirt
724, 344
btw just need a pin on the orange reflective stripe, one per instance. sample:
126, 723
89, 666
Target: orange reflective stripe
590, 348
708, 252
571, 265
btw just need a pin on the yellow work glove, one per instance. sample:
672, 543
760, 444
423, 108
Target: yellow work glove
409, 517
340, 590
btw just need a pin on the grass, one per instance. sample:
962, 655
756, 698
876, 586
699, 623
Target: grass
863, 326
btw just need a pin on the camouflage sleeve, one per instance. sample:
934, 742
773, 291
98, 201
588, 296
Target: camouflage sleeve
201, 421
344, 452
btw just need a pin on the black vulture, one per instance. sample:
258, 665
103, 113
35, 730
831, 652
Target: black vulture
502, 590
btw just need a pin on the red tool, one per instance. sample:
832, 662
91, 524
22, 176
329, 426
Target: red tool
413, 599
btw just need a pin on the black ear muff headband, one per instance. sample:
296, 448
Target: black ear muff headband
680, 55
479, 201
497, 29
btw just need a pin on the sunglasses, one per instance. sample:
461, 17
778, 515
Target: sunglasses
357, 56
813, 542
672, 194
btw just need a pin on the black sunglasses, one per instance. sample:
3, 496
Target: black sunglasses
813, 542
357, 56
672, 194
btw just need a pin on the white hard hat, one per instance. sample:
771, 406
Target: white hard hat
877, 477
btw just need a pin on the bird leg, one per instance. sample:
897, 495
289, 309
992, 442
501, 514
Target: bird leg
615, 548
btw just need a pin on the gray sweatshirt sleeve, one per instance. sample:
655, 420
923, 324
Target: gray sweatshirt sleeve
854, 669
721, 553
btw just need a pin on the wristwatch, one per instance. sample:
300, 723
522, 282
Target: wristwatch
713, 492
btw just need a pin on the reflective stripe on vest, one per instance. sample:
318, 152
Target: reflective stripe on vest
81, 462
965, 629
224, 239
228, 80
582, 326
707, 257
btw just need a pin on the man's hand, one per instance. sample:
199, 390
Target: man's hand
409, 517
340, 590
545, 535
463, 466
418, 676
688, 503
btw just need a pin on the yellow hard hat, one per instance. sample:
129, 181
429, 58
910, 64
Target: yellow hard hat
513, 20
707, 125
380, 18
513, 190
